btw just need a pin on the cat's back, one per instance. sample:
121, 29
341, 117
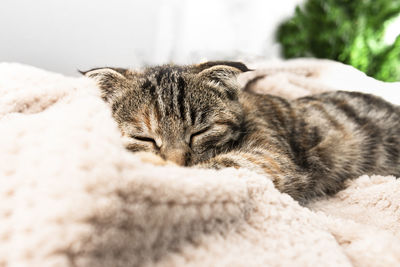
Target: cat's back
351, 111
338, 134
357, 132
354, 107
267, 110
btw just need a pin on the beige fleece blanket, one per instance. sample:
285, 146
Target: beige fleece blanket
71, 195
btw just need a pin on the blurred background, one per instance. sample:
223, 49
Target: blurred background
66, 35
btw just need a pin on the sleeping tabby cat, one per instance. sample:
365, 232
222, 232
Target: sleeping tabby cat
197, 115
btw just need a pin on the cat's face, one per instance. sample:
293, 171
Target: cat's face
185, 114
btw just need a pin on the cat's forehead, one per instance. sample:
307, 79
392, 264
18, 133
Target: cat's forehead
174, 94
173, 85
175, 99
164, 71
170, 93
163, 78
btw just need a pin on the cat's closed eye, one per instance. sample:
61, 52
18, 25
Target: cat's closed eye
198, 133
145, 139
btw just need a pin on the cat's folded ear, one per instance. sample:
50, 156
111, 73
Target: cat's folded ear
108, 79
234, 64
221, 74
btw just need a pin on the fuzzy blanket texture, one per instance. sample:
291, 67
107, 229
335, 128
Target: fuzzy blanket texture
71, 195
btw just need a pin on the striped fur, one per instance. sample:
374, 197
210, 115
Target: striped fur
197, 116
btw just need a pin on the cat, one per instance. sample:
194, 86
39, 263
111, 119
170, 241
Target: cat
197, 115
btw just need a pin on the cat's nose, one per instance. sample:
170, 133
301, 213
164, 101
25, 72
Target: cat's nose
177, 156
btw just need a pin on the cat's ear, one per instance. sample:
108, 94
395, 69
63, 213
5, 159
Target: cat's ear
234, 64
108, 79
222, 75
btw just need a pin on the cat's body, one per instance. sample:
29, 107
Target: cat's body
197, 116
313, 144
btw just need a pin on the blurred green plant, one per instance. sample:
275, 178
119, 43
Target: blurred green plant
350, 31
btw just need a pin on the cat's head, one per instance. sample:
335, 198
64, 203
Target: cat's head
185, 114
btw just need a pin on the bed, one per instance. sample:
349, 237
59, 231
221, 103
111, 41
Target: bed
71, 195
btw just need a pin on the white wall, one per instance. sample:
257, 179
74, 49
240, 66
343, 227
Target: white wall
63, 35
210, 29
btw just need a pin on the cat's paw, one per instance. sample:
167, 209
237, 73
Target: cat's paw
149, 157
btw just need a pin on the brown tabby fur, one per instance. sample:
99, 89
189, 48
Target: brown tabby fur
198, 116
